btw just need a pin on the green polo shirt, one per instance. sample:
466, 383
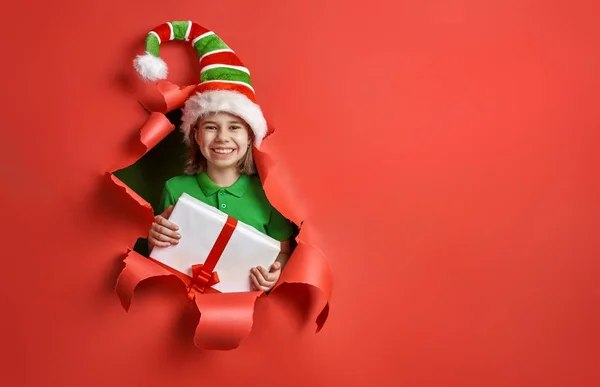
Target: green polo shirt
244, 200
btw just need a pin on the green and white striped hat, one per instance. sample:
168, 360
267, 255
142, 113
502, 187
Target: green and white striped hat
225, 84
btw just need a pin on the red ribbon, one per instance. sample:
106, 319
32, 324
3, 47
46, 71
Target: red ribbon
203, 275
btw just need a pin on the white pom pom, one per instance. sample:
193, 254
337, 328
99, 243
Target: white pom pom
150, 67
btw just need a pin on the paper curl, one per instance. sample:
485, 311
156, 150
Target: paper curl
225, 318
164, 97
154, 130
137, 268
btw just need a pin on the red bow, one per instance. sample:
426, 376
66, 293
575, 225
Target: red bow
201, 280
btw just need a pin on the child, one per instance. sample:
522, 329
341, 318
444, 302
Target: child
220, 123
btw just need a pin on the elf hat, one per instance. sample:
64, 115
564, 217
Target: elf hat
224, 80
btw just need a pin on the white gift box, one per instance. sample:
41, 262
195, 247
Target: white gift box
199, 226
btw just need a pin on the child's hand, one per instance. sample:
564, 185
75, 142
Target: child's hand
163, 232
265, 280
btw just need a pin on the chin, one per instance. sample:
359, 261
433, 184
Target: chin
225, 163
222, 165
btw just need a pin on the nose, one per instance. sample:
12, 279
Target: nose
222, 135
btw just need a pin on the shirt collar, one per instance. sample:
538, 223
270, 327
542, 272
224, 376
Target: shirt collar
209, 188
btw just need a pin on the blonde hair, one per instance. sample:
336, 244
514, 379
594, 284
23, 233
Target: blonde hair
196, 162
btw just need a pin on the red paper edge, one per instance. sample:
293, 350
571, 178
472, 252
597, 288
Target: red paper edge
324, 286
130, 278
320, 277
238, 311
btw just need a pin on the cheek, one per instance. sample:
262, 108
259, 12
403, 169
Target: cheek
243, 139
202, 139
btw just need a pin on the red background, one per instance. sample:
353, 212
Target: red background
448, 151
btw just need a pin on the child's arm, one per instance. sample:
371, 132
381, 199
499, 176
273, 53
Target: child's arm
284, 254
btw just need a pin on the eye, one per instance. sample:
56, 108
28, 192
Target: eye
235, 127
210, 127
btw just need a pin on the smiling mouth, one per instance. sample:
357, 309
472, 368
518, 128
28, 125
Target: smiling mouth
222, 151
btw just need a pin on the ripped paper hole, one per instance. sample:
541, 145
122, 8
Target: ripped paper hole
225, 318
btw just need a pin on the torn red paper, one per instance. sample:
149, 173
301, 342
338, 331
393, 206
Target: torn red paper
137, 268
146, 207
225, 318
155, 129
164, 97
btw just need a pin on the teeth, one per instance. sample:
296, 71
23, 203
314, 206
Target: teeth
223, 151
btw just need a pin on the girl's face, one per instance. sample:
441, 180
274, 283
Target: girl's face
223, 139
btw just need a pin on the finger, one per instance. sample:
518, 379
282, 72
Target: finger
156, 236
159, 228
160, 244
263, 271
261, 279
155, 242
158, 233
162, 237
275, 266
256, 284
166, 223
253, 284
269, 276
274, 277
